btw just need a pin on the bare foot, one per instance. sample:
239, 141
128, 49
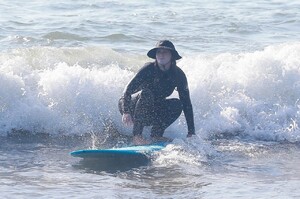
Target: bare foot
139, 140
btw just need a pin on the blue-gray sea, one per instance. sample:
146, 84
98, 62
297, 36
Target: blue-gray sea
64, 65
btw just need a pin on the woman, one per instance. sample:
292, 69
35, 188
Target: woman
144, 100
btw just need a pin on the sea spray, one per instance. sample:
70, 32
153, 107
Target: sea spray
255, 94
75, 90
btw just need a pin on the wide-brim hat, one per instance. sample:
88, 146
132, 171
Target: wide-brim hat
164, 44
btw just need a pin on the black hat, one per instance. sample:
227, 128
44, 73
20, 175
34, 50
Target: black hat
164, 44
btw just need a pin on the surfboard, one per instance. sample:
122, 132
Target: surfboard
123, 152
116, 159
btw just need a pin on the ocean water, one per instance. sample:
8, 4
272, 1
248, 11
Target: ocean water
64, 65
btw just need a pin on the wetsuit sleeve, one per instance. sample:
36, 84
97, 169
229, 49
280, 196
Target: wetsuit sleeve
134, 86
184, 96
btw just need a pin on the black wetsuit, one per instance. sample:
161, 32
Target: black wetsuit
145, 99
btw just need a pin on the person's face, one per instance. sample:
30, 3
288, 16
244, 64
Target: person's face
163, 56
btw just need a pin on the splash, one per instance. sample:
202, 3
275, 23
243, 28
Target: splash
253, 94
61, 91
76, 90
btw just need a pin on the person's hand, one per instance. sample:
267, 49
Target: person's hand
139, 140
127, 119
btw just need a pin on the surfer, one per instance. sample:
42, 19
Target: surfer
144, 101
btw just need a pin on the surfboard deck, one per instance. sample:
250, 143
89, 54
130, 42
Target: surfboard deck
123, 152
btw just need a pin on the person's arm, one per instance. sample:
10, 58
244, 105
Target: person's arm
134, 86
184, 96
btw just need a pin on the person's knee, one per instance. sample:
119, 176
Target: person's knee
146, 94
145, 100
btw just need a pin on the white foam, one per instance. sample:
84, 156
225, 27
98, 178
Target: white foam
76, 90
251, 93
61, 90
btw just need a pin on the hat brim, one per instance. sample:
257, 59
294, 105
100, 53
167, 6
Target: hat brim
152, 52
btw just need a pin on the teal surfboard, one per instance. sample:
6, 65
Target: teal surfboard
123, 152
116, 159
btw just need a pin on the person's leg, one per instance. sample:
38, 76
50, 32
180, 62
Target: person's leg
144, 107
143, 111
166, 113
